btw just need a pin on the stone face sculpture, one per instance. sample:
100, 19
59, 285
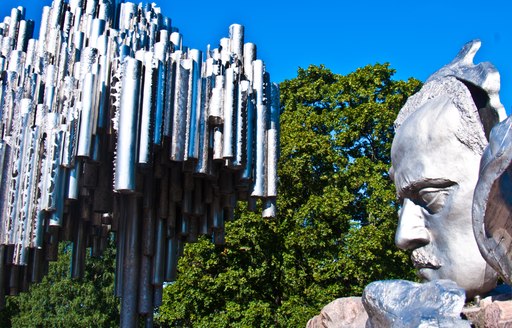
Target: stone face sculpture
440, 137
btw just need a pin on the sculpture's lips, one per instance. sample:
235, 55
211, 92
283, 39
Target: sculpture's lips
422, 260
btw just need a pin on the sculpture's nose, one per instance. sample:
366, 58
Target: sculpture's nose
411, 232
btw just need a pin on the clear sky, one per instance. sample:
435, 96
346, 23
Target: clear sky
415, 37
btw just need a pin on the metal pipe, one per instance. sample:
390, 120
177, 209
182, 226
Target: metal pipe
172, 255
148, 227
104, 92
258, 189
73, 181
217, 144
148, 109
215, 114
159, 257
240, 158
97, 29
250, 51
145, 302
25, 31
161, 54
78, 254
170, 86
120, 235
14, 21
236, 41
130, 262
3, 275
176, 41
225, 52
229, 110
273, 142
269, 208
126, 150
204, 126
163, 209
87, 116
183, 68
194, 106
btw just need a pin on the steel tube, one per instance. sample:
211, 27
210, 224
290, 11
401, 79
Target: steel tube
172, 255
273, 142
240, 158
148, 109
124, 176
194, 106
148, 227
204, 126
250, 142
160, 98
236, 40
229, 110
145, 302
261, 128
159, 257
215, 115
179, 122
87, 116
131, 262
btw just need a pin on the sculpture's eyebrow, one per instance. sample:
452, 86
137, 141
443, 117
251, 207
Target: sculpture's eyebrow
416, 186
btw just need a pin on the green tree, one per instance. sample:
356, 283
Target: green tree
337, 212
59, 301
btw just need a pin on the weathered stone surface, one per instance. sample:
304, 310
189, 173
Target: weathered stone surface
401, 304
347, 312
491, 312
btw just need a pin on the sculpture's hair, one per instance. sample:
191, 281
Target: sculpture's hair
470, 131
474, 90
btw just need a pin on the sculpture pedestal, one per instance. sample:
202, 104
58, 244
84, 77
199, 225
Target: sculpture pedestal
347, 312
492, 311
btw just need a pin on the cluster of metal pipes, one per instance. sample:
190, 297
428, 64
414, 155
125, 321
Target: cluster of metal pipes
110, 124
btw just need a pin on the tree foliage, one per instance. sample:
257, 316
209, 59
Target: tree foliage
334, 232
59, 301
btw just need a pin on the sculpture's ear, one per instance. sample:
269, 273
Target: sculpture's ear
488, 115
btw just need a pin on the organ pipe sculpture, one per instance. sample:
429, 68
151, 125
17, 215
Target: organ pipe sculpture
110, 124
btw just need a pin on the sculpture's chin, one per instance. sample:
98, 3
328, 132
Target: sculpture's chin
473, 287
427, 274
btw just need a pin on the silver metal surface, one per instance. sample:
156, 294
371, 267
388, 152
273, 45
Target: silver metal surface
111, 124
228, 112
87, 116
261, 127
126, 149
148, 109
179, 118
440, 135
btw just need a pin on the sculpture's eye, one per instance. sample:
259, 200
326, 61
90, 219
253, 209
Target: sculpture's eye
434, 199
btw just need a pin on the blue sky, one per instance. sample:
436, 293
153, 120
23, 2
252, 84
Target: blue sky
416, 38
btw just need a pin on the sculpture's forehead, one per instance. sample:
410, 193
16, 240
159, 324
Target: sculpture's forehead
436, 120
425, 146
